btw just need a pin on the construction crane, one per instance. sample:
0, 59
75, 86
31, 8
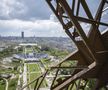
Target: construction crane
92, 47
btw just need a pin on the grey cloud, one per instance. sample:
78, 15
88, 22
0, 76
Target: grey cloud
38, 28
24, 9
38, 9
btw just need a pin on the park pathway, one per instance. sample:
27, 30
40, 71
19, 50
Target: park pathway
25, 76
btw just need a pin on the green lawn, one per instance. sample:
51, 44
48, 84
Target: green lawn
46, 63
33, 68
35, 75
32, 77
2, 85
34, 72
29, 50
3, 71
13, 84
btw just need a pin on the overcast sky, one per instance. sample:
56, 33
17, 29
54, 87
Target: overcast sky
34, 17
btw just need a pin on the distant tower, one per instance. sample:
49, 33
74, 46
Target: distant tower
22, 34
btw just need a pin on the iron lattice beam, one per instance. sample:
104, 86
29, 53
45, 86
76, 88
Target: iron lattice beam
63, 10
92, 48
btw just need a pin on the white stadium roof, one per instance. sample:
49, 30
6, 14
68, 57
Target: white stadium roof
28, 44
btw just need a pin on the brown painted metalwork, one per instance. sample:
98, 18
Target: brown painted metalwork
91, 55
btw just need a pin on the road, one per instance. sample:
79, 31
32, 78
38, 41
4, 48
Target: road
19, 82
25, 76
7, 84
